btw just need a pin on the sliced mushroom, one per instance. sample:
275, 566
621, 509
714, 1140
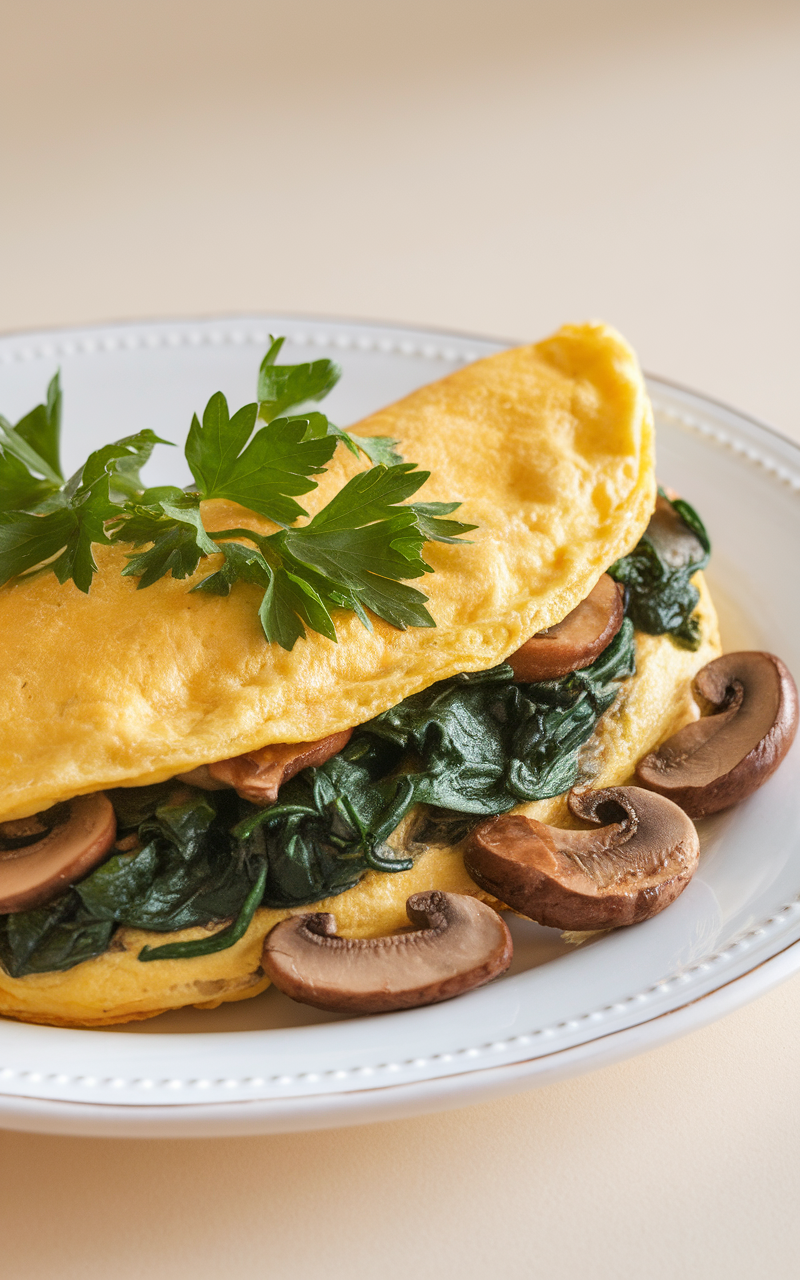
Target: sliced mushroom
726, 755
21, 833
460, 943
617, 874
201, 777
575, 642
33, 874
671, 536
259, 775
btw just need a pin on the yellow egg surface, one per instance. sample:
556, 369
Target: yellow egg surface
548, 447
117, 987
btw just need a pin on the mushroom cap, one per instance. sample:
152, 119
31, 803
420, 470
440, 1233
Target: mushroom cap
577, 640
724, 757
77, 840
459, 943
617, 874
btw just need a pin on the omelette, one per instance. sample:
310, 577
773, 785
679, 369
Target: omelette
550, 451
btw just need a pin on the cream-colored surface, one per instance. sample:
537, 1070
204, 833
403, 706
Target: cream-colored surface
548, 448
117, 987
496, 168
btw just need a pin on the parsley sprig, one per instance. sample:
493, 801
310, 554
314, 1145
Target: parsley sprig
357, 553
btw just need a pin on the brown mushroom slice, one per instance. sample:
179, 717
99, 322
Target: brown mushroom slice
201, 777
576, 641
460, 943
21, 833
617, 874
672, 538
35, 873
259, 775
725, 756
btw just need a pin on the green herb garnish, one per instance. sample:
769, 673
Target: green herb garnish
355, 554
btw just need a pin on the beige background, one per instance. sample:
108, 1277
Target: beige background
497, 167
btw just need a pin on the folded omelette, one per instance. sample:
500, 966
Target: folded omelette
549, 449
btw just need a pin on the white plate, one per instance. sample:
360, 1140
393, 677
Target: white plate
267, 1064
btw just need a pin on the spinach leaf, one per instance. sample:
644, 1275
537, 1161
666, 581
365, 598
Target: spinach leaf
330, 825
189, 870
475, 744
487, 743
133, 804
218, 941
55, 937
661, 598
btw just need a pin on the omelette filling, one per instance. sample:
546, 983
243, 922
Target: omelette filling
423, 772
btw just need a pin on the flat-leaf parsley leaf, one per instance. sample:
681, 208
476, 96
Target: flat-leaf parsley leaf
357, 553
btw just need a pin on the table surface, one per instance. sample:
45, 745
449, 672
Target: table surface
498, 168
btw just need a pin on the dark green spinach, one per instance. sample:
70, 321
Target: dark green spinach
57, 936
660, 596
190, 870
221, 940
475, 744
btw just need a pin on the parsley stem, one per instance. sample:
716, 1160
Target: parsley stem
262, 543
